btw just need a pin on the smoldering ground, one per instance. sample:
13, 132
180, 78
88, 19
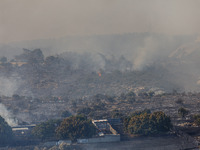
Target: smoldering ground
135, 51
7, 115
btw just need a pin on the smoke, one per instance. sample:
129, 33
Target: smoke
142, 49
146, 54
52, 19
86, 61
77, 18
9, 86
7, 116
94, 62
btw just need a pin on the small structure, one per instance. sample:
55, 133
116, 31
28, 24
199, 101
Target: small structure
68, 142
106, 133
100, 139
114, 121
50, 144
22, 132
102, 125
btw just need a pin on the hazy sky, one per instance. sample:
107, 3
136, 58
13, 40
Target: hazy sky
33, 19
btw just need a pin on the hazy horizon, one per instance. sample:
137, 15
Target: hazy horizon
23, 20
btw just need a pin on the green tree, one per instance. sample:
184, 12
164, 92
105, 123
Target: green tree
6, 135
75, 127
145, 123
160, 122
183, 112
139, 124
46, 130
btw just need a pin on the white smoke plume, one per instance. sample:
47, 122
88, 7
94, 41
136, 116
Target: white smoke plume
8, 86
145, 54
7, 116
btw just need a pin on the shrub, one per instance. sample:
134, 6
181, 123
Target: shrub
147, 123
75, 127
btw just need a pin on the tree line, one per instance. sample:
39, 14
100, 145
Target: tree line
147, 123
74, 127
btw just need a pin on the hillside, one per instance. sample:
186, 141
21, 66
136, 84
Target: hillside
70, 76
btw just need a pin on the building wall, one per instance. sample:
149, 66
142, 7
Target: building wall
102, 139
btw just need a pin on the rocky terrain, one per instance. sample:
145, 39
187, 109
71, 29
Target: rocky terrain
36, 86
29, 111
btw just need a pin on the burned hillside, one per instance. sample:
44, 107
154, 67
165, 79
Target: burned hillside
31, 83
75, 75
28, 110
40, 88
